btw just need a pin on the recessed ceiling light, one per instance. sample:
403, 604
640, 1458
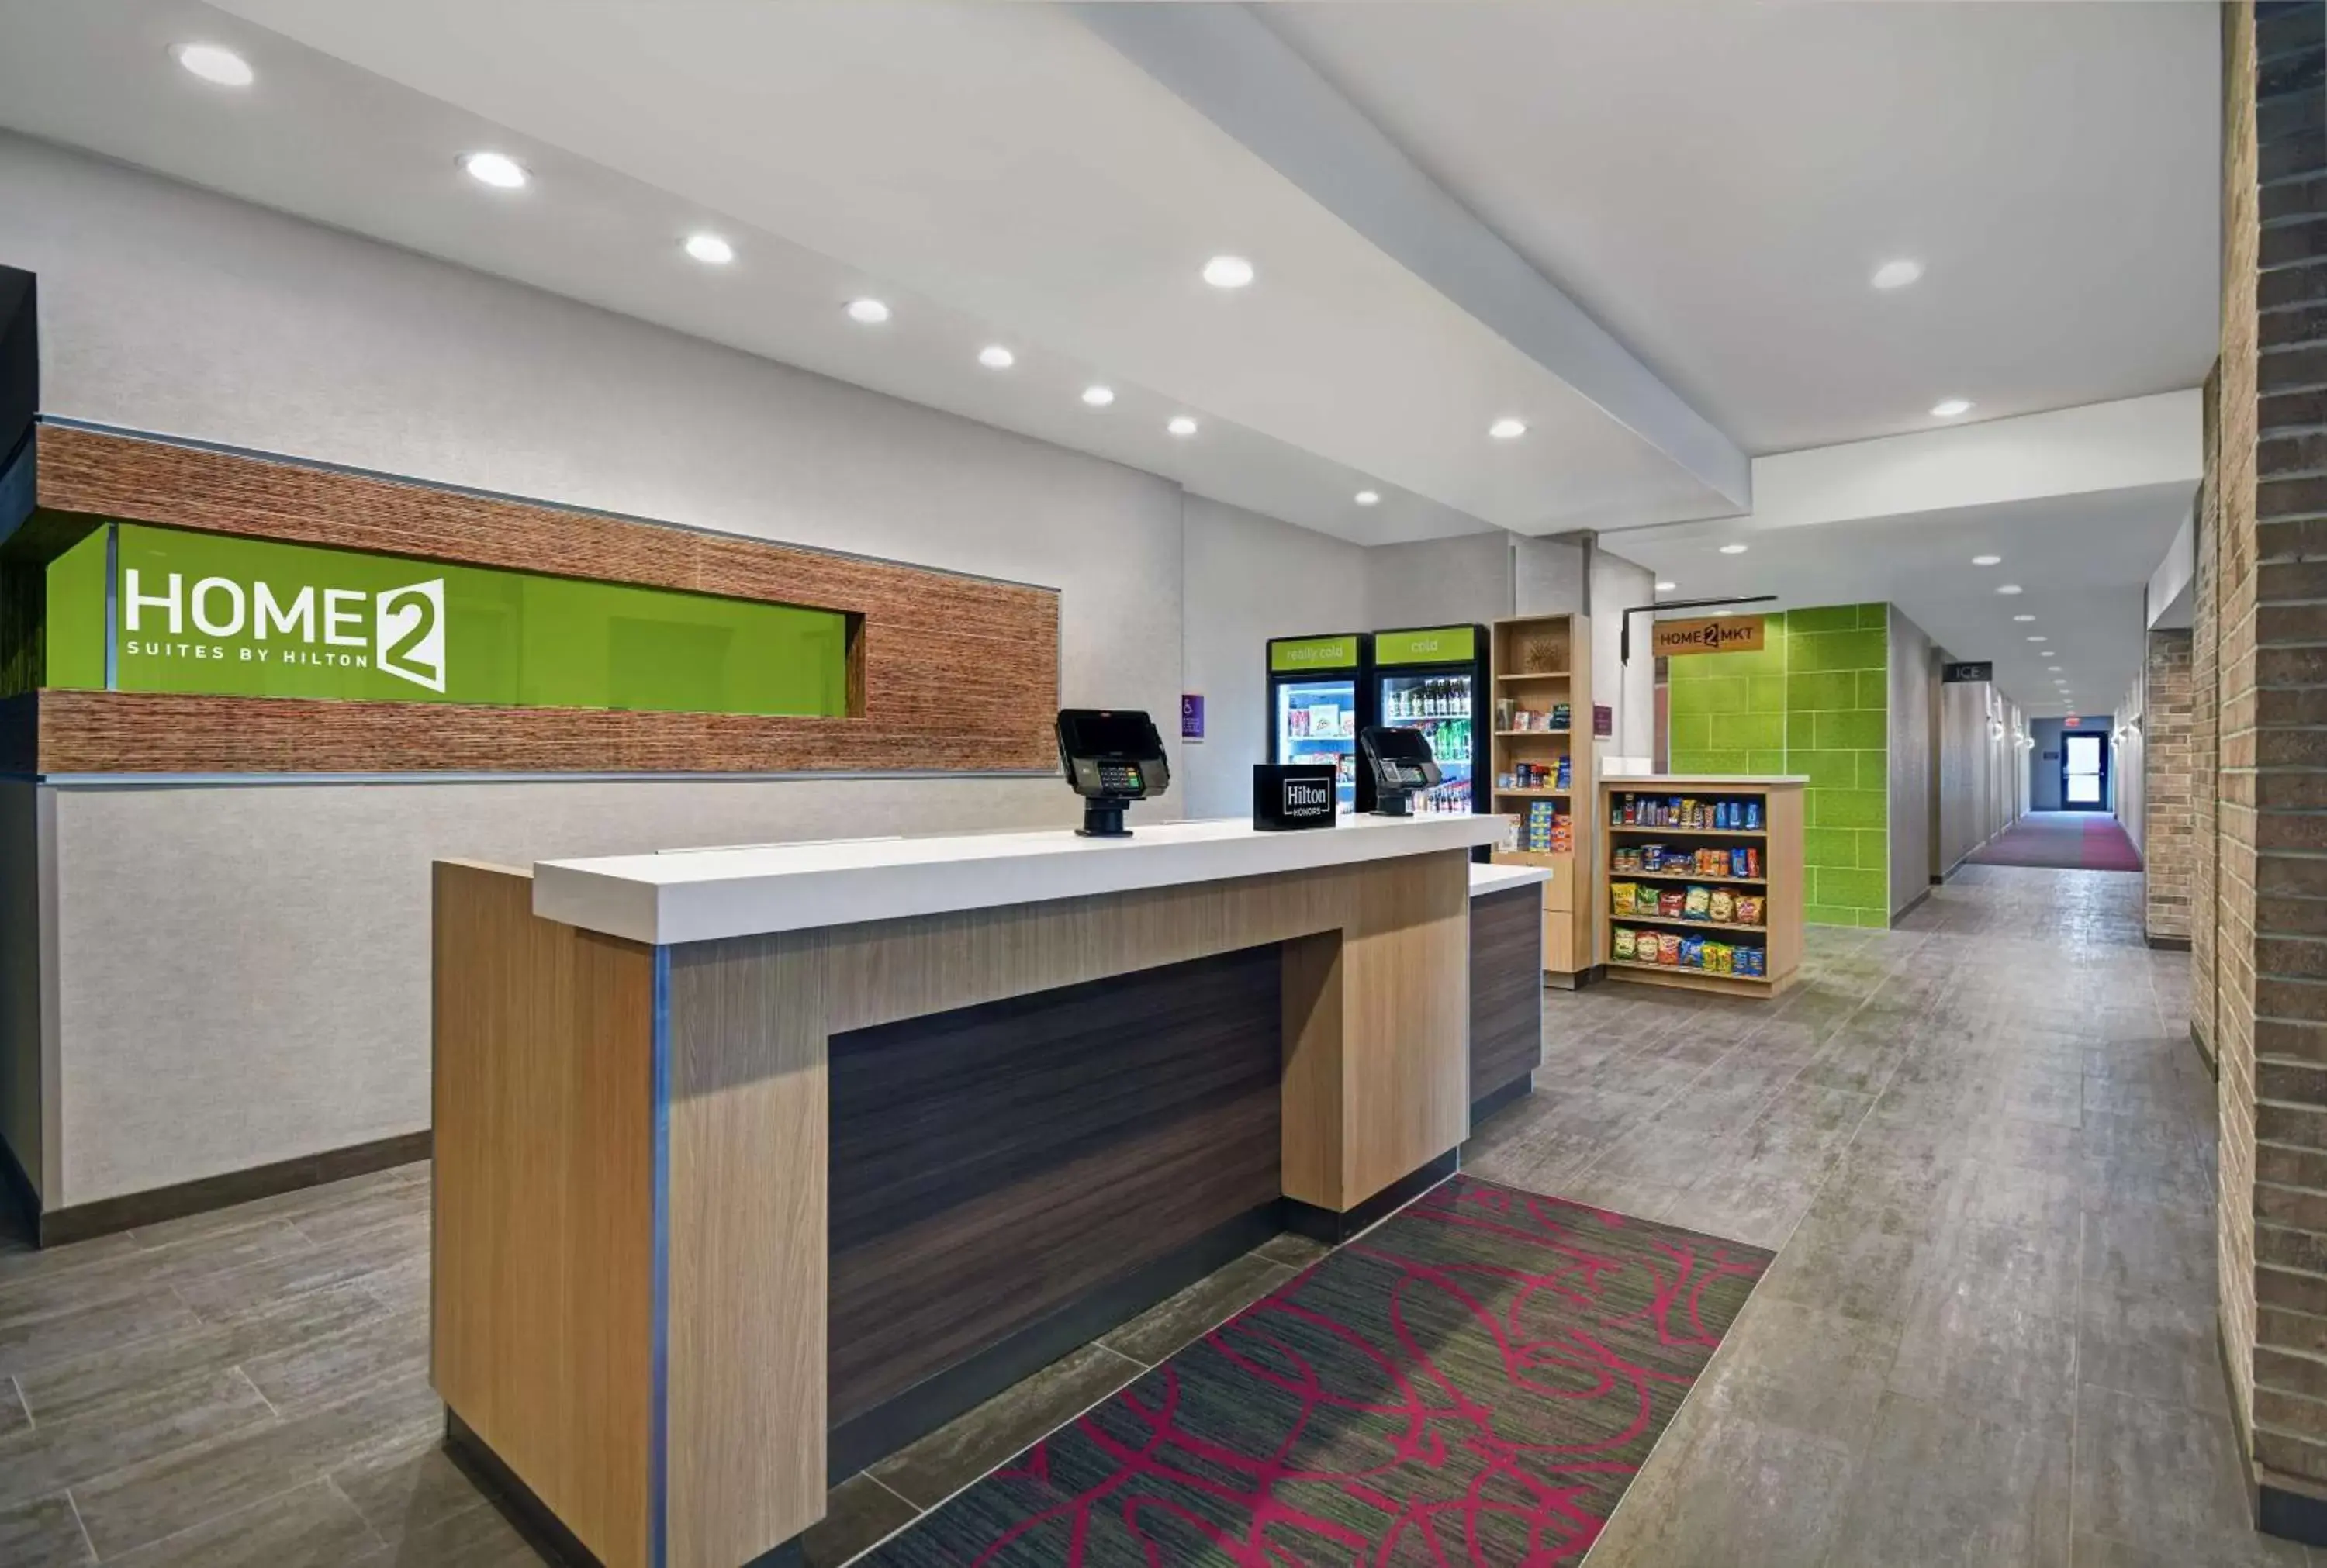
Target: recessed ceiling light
1733, 549
2023, 617
1897, 274
1987, 560
710, 249
1098, 396
1181, 424
1949, 409
498, 170
1227, 272
2008, 588
1368, 498
2053, 668
870, 312
1507, 429
995, 357
1667, 587
2036, 639
218, 66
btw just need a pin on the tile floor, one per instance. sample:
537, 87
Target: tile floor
1982, 1143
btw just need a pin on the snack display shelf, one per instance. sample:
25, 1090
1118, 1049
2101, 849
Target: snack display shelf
1681, 973
1535, 673
1778, 938
1686, 876
1537, 794
1530, 735
1692, 832
1684, 923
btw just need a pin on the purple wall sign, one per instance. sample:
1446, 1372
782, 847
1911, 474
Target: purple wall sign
1191, 716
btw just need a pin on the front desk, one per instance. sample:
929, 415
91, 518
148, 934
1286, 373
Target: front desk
753, 1164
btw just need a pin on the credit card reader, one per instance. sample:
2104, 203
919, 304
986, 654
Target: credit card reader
1399, 763
1112, 758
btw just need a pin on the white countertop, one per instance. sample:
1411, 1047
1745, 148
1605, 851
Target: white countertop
1495, 879
705, 895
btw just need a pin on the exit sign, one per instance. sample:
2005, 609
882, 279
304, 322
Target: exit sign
2071, 722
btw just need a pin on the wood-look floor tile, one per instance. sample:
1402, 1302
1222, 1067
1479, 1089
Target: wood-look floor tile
307, 1526
333, 1366
1156, 1334
148, 1422
1293, 1250
929, 1471
220, 1296
482, 1537
43, 1533
65, 1331
131, 1507
405, 1491
858, 1513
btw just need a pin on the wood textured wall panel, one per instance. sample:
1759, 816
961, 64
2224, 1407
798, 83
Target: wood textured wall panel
543, 1238
954, 673
993, 1165
1506, 989
747, 1270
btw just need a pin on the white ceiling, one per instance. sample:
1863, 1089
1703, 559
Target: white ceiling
2081, 562
1644, 227
1718, 182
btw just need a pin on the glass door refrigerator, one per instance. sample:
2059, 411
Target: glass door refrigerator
1434, 678
1317, 697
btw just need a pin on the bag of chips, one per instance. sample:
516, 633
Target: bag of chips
1692, 952
1696, 904
1670, 904
1619, 896
1627, 945
1748, 910
1722, 907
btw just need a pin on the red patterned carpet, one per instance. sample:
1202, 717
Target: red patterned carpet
1474, 1381
2062, 841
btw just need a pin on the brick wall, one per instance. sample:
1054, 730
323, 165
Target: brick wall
2205, 738
2167, 764
2272, 505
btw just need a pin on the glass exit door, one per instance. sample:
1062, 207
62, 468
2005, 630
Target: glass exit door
2084, 772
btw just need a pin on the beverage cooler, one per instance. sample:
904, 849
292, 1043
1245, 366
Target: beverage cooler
1434, 678
1317, 700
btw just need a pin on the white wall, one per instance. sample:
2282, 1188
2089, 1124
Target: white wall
1439, 582
1248, 578
282, 998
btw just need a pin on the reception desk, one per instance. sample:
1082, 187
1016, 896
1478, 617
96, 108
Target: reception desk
753, 1163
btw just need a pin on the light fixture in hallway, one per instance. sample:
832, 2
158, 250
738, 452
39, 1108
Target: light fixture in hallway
1667, 587
2036, 639
218, 66
995, 357
1507, 429
1098, 396
709, 249
1733, 549
1181, 424
1987, 560
2008, 588
1950, 408
1227, 272
1368, 498
871, 312
498, 170
1897, 274
2023, 617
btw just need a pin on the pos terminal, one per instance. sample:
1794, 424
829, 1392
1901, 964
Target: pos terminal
1112, 757
1399, 763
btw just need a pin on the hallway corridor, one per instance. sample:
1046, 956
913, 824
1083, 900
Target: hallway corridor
1983, 1145
2062, 841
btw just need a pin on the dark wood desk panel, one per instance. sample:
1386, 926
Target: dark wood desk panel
1506, 989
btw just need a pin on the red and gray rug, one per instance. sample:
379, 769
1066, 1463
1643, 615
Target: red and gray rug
1474, 1381
2062, 841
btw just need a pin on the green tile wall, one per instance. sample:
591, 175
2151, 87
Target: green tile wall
1814, 701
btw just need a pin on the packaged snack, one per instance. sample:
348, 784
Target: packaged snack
1620, 896
1696, 904
1736, 862
1721, 815
1721, 907
1750, 961
1753, 862
1670, 902
1716, 957
1669, 948
1754, 816
1652, 857
1692, 952
1626, 944
1748, 911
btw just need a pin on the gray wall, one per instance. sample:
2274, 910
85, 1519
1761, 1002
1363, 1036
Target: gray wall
1549, 580
1439, 582
242, 970
2044, 776
1249, 578
1910, 770
24, 1042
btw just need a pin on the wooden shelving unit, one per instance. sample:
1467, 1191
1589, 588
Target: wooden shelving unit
1538, 662
1778, 933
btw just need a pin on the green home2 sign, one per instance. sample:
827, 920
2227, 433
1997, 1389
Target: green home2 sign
140, 609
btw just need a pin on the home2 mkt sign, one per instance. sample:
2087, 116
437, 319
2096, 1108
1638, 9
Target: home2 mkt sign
1710, 634
140, 609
